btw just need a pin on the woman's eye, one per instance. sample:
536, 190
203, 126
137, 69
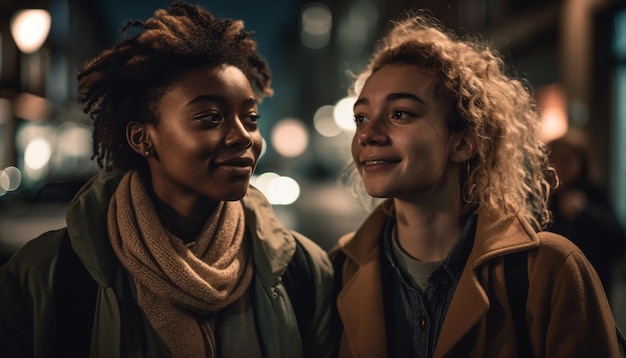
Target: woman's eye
212, 117
250, 120
253, 117
358, 119
399, 114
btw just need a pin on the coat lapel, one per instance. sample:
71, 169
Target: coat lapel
360, 302
496, 235
465, 311
361, 309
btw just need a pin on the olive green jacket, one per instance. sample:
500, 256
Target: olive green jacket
567, 311
27, 284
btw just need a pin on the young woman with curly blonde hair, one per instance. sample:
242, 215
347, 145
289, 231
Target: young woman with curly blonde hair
450, 142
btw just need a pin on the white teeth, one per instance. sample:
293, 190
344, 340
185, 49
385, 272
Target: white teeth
372, 162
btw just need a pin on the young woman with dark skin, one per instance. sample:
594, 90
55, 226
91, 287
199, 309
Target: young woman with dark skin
181, 256
450, 144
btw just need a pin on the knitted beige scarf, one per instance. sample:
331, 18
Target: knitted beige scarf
177, 284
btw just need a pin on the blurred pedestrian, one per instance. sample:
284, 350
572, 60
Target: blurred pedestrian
169, 251
451, 143
581, 208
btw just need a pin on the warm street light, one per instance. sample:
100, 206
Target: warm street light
30, 29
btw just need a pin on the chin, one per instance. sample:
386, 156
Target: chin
378, 196
234, 194
376, 193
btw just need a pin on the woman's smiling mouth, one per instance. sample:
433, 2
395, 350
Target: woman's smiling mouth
237, 166
374, 162
373, 165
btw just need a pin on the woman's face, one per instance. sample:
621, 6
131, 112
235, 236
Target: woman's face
402, 147
206, 138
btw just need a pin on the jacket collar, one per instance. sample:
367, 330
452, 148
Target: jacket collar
360, 302
86, 219
273, 245
365, 248
496, 236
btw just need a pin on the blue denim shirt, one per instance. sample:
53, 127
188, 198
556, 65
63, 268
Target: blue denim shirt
413, 317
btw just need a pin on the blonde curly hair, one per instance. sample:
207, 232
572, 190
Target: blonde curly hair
510, 170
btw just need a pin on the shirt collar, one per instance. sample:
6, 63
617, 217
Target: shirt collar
452, 265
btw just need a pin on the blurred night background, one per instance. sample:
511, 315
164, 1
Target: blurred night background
573, 52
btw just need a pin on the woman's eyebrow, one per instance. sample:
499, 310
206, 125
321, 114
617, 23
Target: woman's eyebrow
208, 98
402, 95
220, 99
393, 97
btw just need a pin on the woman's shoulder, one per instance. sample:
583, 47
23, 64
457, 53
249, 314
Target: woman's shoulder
554, 244
561, 254
37, 257
317, 256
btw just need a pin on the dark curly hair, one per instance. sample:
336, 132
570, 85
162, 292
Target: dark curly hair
124, 82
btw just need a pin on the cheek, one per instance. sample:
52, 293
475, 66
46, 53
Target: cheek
422, 151
257, 146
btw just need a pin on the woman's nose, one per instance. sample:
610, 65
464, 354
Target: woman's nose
373, 132
238, 134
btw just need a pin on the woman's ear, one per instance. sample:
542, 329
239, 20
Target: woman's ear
137, 137
463, 147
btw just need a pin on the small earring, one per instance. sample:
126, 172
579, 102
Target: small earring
149, 153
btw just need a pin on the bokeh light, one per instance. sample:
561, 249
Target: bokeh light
30, 29
317, 21
262, 181
324, 122
343, 113
37, 153
279, 190
553, 103
290, 137
10, 179
283, 191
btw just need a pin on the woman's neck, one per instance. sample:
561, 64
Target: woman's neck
426, 234
188, 225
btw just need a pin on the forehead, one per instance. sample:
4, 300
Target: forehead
226, 81
208, 75
401, 78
